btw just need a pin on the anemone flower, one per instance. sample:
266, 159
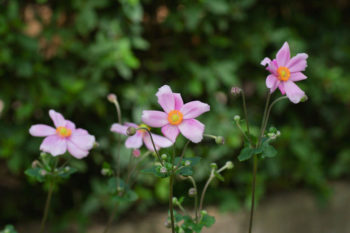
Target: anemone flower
177, 116
285, 71
141, 136
63, 137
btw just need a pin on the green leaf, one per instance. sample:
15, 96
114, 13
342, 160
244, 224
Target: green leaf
9, 229
193, 160
207, 220
268, 150
220, 177
246, 154
36, 173
66, 172
185, 171
155, 170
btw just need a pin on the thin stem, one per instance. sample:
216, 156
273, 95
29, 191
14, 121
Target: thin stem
264, 118
245, 111
182, 154
244, 134
154, 146
135, 166
205, 189
195, 197
255, 168
111, 218
171, 189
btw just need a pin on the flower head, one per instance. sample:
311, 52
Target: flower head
177, 116
65, 136
285, 71
141, 136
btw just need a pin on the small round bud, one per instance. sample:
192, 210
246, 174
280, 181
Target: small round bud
164, 156
237, 118
192, 192
219, 140
236, 91
272, 135
104, 171
130, 131
96, 144
229, 165
66, 169
204, 212
167, 224
181, 230
35, 164
43, 172
187, 163
136, 153
120, 189
278, 133
163, 170
175, 201
304, 98
112, 98
214, 165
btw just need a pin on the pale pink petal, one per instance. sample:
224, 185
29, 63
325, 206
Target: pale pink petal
272, 67
42, 130
294, 93
148, 142
283, 55
130, 124
70, 124
193, 109
155, 118
178, 101
161, 141
54, 145
134, 141
281, 87
265, 61
192, 130
121, 129
297, 76
165, 89
171, 132
298, 63
271, 81
82, 139
76, 151
274, 87
57, 118
167, 101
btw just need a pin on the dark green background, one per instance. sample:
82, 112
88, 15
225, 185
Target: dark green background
68, 55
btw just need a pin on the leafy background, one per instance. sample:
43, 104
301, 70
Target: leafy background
68, 55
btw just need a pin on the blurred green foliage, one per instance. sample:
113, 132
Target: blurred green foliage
68, 55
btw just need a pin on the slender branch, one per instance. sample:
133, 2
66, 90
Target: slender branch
182, 154
111, 218
245, 111
171, 189
195, 197
135, 166
211, 177
154, 146
255, 168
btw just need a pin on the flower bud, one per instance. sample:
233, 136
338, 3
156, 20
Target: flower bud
163, 170
237, 118
219, 140
66, 169
130, 131
43, 172
2, 105
35, 164
192, 192
120, 189
96, 144
187, 163
229, 165
164, 156
175, 201
235, 91
181, 230
214, 165
272, 135
167, 224
112, 98
304, 98
136, 153
204, 212
104, 171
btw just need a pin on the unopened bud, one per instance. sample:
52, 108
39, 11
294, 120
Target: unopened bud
219, 140
120, 189
136, 153
175, 201
204, 212
214, 165
181, 230
112, 98
167, 224
35, 164
192, 192
164, 156
66, 169
187, 163
272, 135
43, 172
130, 131
236, 91
96, 144
163, 170
304, 98
229, 165
278, 133
237, 118
104, 171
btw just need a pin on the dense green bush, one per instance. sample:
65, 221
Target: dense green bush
68, 55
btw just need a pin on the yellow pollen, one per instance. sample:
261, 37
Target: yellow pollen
143, 126
175, 117
283, 73
63, 132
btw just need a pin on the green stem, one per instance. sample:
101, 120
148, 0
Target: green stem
255, 168
111, 218
171, 190
211, 177
182, 154
245, 111
195, 197
154, 146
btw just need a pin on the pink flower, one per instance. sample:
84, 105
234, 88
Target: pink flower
64, 136
285, 71
141, 136
177, 116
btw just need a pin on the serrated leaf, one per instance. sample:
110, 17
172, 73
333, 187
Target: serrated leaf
268, 151
207, 220
185, 171
35, 173
246, 153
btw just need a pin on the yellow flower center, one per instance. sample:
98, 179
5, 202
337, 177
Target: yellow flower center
143, 126
63, 132
175, 117
283, 73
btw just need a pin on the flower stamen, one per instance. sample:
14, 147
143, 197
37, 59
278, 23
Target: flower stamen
283, 73
63, 132
175, 117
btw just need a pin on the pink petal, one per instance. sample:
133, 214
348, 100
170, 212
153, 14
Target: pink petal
165, 89
297, 76
121, 129
192, 130
283, 55
178, 101
130, 124
281, 87
265, 61
294, 93
134, 141
54, 145
155, 118
70, 125
167, 101
57, 118
272, 82
82, 139
298, 63
171, 132
76, 151
42, 130
161, 141
193, 109
148, 142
